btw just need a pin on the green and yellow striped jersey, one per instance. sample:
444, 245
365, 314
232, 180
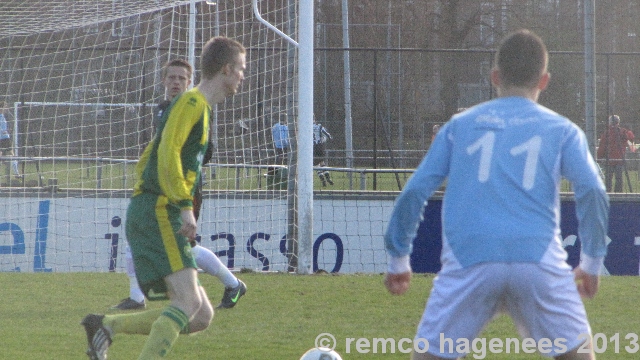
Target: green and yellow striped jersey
171, 164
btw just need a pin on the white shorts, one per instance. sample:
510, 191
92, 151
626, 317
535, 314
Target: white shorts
542, 300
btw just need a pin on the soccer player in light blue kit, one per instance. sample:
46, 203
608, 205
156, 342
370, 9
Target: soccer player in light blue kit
6, 146
502, 250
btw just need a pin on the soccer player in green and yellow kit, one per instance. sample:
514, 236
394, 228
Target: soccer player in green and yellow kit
160, 220
176, 78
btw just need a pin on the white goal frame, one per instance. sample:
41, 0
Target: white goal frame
305, 128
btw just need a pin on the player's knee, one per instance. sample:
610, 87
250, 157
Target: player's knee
575, 355
202, 318
190, 305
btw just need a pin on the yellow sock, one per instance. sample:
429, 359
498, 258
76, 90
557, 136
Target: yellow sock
164, 332
133, 323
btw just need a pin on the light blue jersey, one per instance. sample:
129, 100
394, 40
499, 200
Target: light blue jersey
503, 161
4, 128
280, 134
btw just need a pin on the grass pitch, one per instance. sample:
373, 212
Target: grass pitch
279, 317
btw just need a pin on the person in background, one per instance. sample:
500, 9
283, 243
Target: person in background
434, 131
503, 161
6, 146
281, 140
612, 148
320, 137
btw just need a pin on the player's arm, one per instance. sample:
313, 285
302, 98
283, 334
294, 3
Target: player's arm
197, 196
630, 136
144, 158
397, 284
408, 211
142, 164
176, 183
601, 147
587, 284
208, 154
4, 126
189, 226
592, 209
324, 130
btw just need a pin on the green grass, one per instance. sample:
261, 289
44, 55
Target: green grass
279, 318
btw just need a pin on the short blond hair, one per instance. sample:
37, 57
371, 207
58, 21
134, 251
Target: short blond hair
218, 52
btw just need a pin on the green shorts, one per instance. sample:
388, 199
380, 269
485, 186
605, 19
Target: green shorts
151, 227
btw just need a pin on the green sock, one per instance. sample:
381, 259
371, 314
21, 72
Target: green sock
134, 323
164, 332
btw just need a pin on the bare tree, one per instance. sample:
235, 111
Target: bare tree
463, 25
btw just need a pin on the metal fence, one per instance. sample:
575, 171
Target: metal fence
397, 95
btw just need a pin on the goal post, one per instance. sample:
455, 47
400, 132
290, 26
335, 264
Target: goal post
301, 184
305, 144
83, 93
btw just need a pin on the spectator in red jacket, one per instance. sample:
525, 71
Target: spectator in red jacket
611, 151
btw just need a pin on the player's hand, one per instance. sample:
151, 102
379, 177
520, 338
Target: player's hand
398, 284
587, 283
189, 227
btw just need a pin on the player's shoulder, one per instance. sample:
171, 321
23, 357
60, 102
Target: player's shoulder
192, 98
512, 114
555, 119
513, 110
163, 105
551, 122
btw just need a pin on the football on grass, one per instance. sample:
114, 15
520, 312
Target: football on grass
321, 354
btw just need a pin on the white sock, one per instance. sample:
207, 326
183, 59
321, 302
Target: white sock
134, 289
211, 264
14, 166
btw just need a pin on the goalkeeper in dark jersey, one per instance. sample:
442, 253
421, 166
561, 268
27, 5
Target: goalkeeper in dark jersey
160, 219
176, 78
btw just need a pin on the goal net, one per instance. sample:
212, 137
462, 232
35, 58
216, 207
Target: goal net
81, 80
